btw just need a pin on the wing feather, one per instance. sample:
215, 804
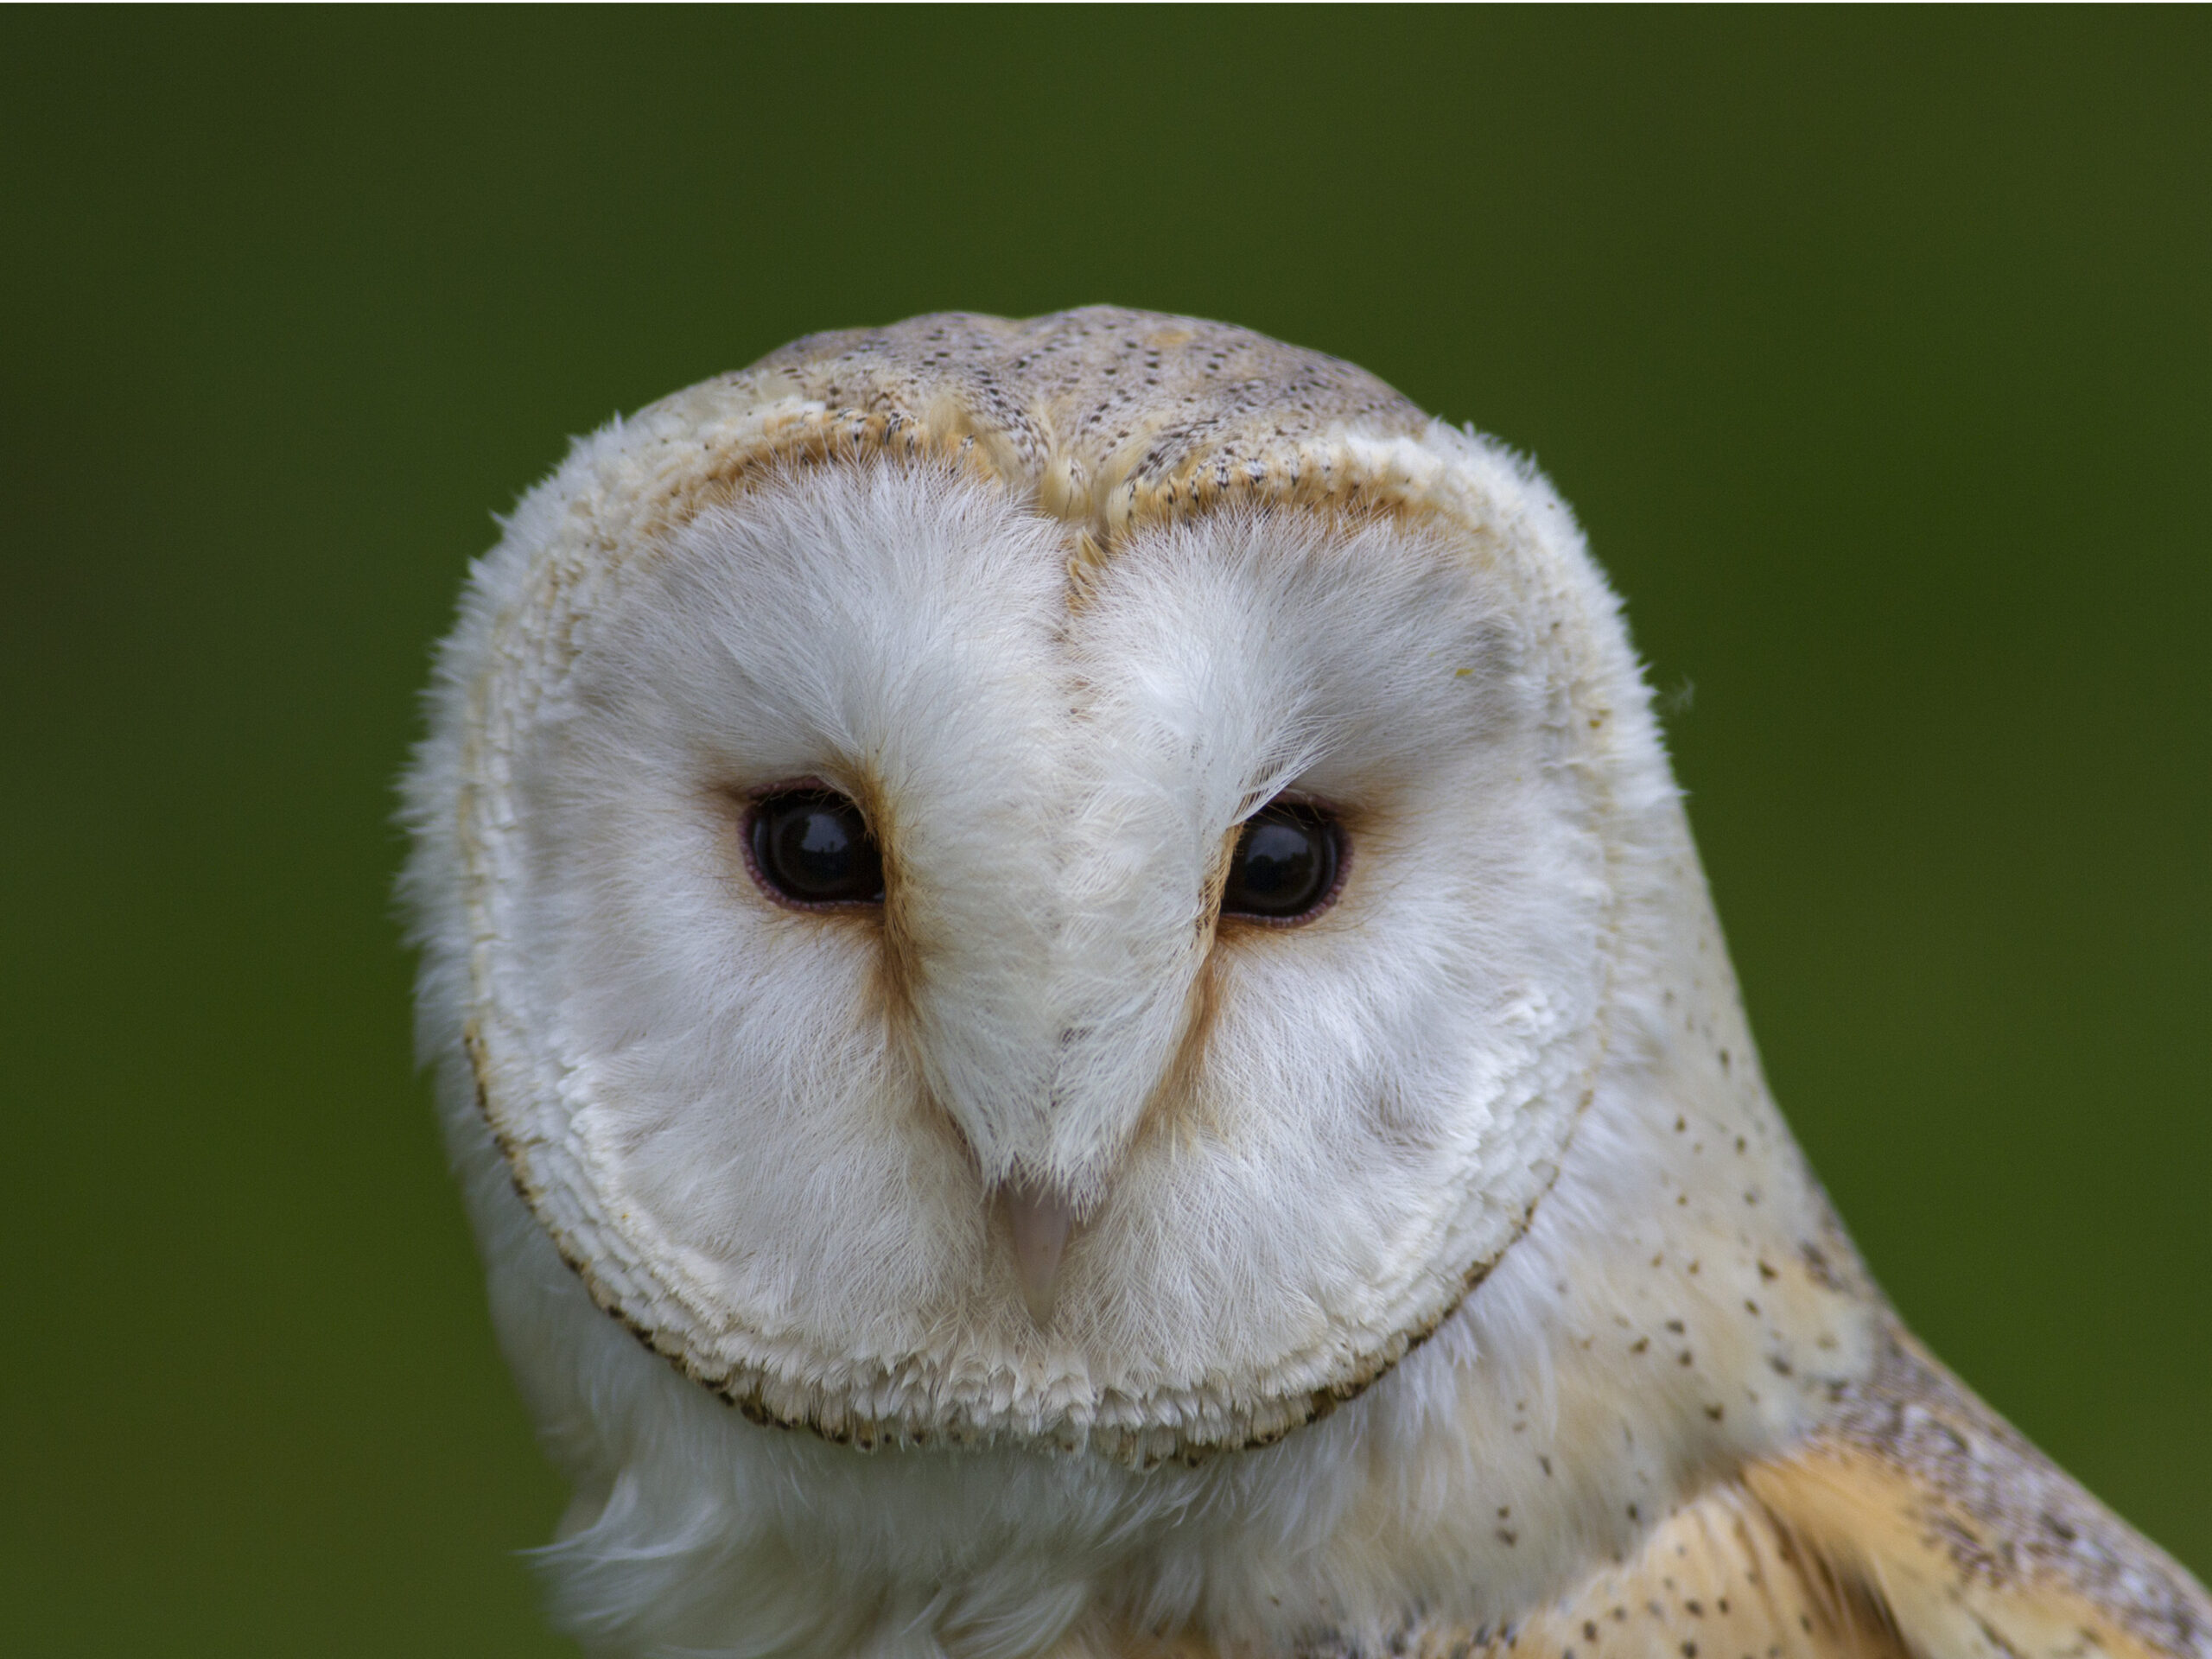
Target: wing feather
1978, 1543
1916, 1524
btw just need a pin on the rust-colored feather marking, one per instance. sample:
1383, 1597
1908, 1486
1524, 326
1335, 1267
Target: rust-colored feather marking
1722, 1578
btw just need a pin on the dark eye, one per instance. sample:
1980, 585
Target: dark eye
813, 847
1284, 866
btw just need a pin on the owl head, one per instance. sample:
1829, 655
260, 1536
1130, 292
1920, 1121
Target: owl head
1062, 883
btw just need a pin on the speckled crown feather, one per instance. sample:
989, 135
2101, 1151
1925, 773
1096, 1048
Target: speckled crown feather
1103, 417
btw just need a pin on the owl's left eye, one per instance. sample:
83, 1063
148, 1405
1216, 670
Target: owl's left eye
812, 846
1286, 864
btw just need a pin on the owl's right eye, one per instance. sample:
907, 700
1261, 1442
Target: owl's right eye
812, 847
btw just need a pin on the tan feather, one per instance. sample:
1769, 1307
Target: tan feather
1976, 1541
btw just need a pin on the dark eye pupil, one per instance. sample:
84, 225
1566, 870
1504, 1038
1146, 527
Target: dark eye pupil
814, 847
1284, 866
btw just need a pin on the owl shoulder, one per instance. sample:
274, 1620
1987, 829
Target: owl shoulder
1915, 1524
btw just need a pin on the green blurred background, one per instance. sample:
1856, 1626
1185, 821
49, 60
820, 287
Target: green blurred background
1873, 348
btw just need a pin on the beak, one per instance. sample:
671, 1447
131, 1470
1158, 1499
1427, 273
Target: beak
1039, 1219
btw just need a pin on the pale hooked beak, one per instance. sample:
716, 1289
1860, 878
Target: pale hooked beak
1039, 1219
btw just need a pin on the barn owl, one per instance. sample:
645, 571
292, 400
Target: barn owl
1079, 1018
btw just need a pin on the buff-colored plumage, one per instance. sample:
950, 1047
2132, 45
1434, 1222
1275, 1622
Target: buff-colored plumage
1037, 1263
